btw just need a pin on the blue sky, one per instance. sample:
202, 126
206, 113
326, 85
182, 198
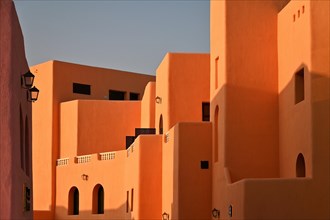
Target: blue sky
119, 34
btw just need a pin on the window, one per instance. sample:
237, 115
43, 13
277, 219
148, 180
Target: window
299, 86
116, 95
204, 164
216, 72
73, 206
133, 96
206, 111
127, 201
216, 131
81, 88
21, 138
161, 124
27, 198
132, 199
98, 199
27, 148
300, 166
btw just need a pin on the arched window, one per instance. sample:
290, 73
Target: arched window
27, 147
98, 199
300, 166
21, 137
73, 206
216, 134
161, 124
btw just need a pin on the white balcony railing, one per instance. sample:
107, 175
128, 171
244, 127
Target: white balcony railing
62, 162
107, 156
83, 159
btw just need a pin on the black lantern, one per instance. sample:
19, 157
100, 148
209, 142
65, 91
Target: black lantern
32, 94
166, 216
215, 213
27, 80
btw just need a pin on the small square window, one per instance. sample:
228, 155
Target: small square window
204, 164
133, 96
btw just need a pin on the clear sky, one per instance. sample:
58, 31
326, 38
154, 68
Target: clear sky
120, 34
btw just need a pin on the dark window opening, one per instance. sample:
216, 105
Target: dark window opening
27, 148
127, 201
216, 132
21, 138
133, 96
139, 131
300, 166
206, 111
73, 206
132, 199
116, 95
204, 164
27, 198
129, 141
81, 88
299, 86
161, 124
216, 72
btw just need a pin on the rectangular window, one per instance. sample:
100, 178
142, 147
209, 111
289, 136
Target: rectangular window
216, 72
116, 95
132, 199
133, 96
204, 164
299, 86
127, 201
206, 111
81, 88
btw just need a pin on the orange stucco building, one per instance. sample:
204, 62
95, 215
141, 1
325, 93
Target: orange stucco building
240, 133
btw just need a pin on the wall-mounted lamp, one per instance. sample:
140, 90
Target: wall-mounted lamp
84, 177
158, 100
27, 80
216, 213
32, 94
166, 216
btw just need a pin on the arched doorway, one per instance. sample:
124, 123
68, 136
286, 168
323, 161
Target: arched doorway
73, 206
300, 166
98, 199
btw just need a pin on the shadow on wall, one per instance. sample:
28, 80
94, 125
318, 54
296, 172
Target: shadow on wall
302, 189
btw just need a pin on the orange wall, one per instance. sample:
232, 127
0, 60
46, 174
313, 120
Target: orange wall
162, 91
148, 106
138, 168
42, 141
54, 79
186, 192
294, 53
177, 77
251, 90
